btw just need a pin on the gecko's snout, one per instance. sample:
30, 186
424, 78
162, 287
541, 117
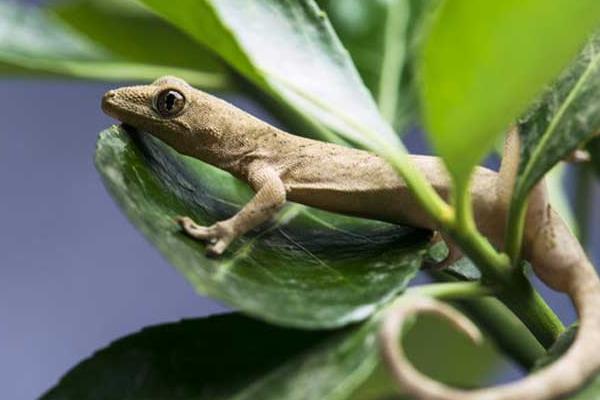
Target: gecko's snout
109, 95
107, 101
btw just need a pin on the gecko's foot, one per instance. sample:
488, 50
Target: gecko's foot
218, 235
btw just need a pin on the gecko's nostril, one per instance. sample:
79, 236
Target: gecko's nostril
109, 95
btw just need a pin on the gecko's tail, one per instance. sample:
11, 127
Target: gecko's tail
564, 267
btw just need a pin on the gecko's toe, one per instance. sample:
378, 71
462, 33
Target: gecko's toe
216, 249
194, 230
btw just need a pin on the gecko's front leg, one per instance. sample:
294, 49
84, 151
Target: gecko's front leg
270, 196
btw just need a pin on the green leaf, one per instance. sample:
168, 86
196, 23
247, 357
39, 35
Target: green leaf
485, 61
309, 268
590, 391
567, 115
34, 43
126, 28
224, 357
381, 36
231, 356
290, 51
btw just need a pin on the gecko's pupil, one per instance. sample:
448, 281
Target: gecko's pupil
169, 103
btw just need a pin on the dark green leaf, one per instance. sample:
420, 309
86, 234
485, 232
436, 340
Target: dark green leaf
381, 37
32, 42
485, 61
289, 50
308, 268
567, 115
232, 356
224, 357
591, 391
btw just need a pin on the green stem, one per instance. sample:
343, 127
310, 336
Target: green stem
452, 290
392, 62
531, 308
508, 332
515, 290
515, 229
419, 187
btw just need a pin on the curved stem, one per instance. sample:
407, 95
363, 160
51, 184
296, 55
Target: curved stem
523, 300
452, 290
506, 329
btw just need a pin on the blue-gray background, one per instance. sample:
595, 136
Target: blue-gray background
74, 274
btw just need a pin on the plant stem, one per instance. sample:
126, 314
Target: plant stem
452, 290
515, 291
531, 308
394, 53
515, 229
508, 332
419, 187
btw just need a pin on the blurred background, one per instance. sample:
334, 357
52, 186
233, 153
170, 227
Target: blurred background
74, 274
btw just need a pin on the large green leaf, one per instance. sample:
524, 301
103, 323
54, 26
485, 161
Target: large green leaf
485, 61
289, 50
308, 268
567, 115
224, 357
381, 36
231, 356
591, 391
32, 42
126, 28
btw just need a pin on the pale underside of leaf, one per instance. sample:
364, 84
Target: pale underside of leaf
34, 43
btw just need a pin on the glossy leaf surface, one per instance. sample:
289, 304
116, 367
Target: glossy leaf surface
235, 357
308, 268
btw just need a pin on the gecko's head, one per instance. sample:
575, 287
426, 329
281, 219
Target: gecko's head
159, 108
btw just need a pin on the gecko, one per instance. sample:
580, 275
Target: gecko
282, 167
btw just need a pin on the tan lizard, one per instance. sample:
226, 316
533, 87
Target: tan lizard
281, 167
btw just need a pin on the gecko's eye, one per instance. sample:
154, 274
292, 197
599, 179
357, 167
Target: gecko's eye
169, 103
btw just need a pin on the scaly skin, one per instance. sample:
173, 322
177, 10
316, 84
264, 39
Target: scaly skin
281, 167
